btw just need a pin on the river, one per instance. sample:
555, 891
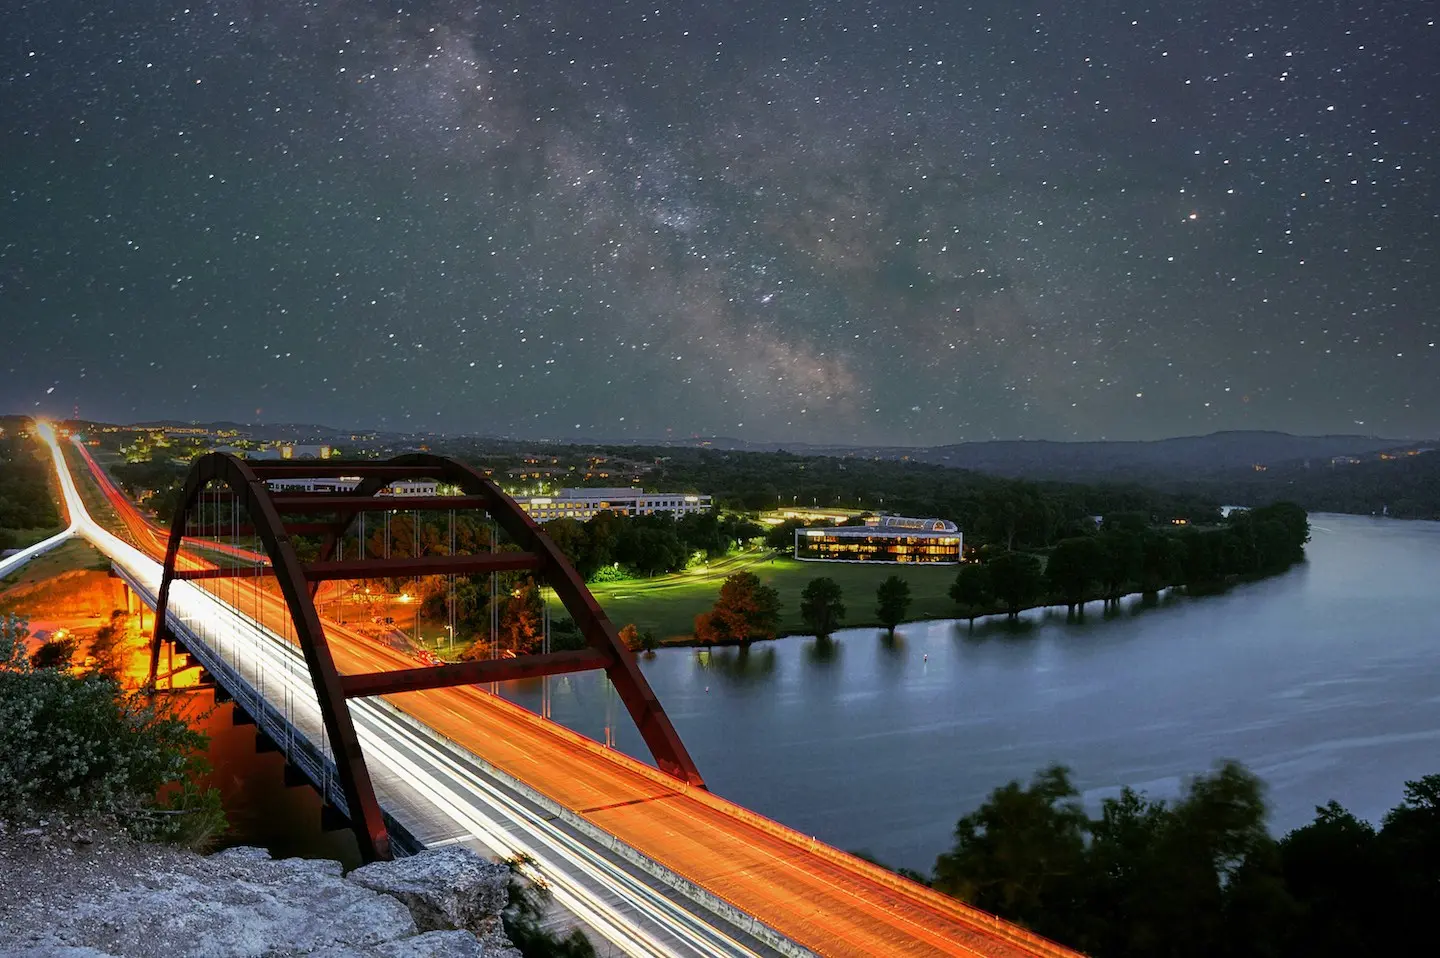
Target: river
1325, 681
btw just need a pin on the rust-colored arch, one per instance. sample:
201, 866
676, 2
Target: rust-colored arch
253, 494
248, 483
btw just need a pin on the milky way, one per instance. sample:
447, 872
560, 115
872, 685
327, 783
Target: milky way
837, 221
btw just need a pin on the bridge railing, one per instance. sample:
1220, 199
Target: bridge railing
269, 717
877, 873
696, 893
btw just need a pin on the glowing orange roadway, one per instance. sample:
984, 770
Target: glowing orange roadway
816, 895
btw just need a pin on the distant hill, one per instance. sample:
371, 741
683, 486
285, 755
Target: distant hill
1185, 457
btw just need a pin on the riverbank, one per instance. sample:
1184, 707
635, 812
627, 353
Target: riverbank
1320, 680
1118, 560
995, 615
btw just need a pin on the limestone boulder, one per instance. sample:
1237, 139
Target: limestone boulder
446, 889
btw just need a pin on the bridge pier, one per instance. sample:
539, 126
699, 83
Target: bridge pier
332, 819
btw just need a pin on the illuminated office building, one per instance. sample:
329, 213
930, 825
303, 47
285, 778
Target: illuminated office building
882, 539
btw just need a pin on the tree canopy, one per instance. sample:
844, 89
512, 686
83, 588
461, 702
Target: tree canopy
745, 610
892, 601
821, 607
1200, 875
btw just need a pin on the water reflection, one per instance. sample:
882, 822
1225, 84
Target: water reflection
1322, 680
822, 651
892, 642
1001, 627
739, 664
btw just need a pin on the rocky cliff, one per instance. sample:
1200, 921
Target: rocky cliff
90, 894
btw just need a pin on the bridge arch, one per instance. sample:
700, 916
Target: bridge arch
246, 484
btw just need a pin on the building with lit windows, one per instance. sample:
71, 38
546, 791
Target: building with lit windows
882, 539
419, 487
583, 504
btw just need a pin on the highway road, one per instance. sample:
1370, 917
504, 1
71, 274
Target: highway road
829, 902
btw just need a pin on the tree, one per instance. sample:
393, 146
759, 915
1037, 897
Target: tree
781, 538
892, 601
570, 538
1411, 842
1161, 562
744, 611
820, 606
1020, 854
55, 653
107, 648
1071, 570
1119, 561
648, 641
1017, 580
1335, 868
650, 546
525, 914
630, 637
972, 590
522, 621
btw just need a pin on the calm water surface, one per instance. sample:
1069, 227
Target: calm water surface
1325, 681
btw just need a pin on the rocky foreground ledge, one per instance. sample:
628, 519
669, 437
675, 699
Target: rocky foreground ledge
86, 894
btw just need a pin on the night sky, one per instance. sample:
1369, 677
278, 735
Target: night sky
826, 221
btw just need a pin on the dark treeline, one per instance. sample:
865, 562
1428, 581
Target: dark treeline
1126, 554
1405, 487
154, 483
25, 498
1200, 876
1011, 513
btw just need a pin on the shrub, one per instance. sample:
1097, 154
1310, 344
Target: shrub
77, 743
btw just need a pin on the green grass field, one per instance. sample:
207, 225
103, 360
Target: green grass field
668, 604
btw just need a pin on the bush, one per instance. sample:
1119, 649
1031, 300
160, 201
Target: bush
77, 743
524, 918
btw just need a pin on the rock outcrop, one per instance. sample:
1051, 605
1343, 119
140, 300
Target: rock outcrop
444, 888
113, 898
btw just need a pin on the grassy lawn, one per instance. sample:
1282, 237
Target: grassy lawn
668, 604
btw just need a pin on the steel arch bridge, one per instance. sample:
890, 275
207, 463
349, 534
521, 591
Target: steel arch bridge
221, 480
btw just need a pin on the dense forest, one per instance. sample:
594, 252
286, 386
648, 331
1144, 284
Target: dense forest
1404, 487
26, 502
1012, 512
1127, 554
1200, 876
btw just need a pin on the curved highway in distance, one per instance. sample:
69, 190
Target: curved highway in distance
827, 901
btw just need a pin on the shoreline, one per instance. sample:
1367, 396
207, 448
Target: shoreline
988, 617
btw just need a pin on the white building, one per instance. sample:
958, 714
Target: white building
583, 504
418, 487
